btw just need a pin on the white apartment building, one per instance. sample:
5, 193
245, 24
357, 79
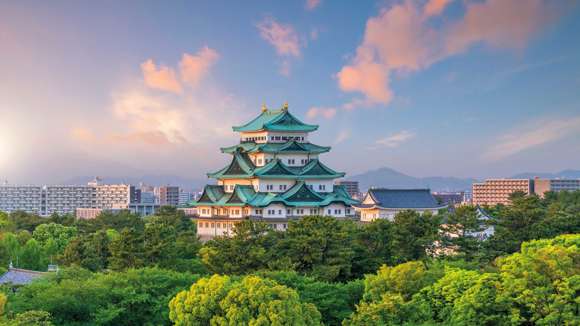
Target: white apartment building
64, 199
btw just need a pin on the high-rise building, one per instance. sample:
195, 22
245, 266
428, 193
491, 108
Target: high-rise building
351, 187
275, 175
498, 191
167, 195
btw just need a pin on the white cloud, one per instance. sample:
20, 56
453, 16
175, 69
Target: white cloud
530, 136
315, 112
395, 139
342, 136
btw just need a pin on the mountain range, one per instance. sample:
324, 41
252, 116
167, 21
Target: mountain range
382, 177
389, 178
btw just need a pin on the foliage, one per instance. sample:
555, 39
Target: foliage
32, 318
335, 301
134, 297
244, 252
219, 300
414, 235
538, 286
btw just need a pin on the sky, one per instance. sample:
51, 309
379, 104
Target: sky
466, 88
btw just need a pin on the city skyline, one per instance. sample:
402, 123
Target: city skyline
138, 88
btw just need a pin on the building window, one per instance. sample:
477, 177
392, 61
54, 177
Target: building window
288, 211
279, 212
321, 187
329, 212
212, 225
291, 161
282, 187
259, 161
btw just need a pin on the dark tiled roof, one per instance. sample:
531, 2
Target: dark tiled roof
17, 276
403, 198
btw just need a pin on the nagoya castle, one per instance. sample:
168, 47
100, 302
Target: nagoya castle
275, 175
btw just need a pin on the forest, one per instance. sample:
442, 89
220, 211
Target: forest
120, 269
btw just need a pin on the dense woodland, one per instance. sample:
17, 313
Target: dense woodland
119, 269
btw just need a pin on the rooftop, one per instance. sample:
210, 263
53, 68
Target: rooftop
276, 120
401, 198
18, 276
300, 195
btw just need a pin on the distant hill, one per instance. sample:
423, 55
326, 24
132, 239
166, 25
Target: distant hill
389, 178
566, 174
153, 180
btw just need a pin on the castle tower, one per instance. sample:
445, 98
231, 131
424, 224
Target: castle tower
275, 175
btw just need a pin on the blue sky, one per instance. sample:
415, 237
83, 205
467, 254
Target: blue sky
482, 88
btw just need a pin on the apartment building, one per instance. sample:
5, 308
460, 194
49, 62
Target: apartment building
497, 191
541, 186
24, 198
65, 199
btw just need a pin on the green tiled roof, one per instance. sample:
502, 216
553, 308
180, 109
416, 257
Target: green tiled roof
241, 167
300, 195
274, 148
276, 120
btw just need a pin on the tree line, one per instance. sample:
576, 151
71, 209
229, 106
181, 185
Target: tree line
120, 269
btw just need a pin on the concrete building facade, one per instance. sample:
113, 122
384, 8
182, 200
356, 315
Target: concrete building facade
498, 191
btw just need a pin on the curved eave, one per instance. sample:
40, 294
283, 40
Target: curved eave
300, 177
399, 208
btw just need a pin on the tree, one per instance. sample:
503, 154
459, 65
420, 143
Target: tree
32, 255
334, 301
32, 318
127, 250
77, 297
90, 251
59, 233
26, 221
251, 301
459, 229
246, 251
372, 247
319, 246
414, 235
159, 243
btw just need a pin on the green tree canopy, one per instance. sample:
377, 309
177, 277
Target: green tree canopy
219, 300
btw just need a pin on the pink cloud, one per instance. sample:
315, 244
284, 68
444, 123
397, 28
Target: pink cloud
283, 37
402, 39
195, 67
435, 7
162, 78
367, 76
314, 112
312, 4
499, 23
